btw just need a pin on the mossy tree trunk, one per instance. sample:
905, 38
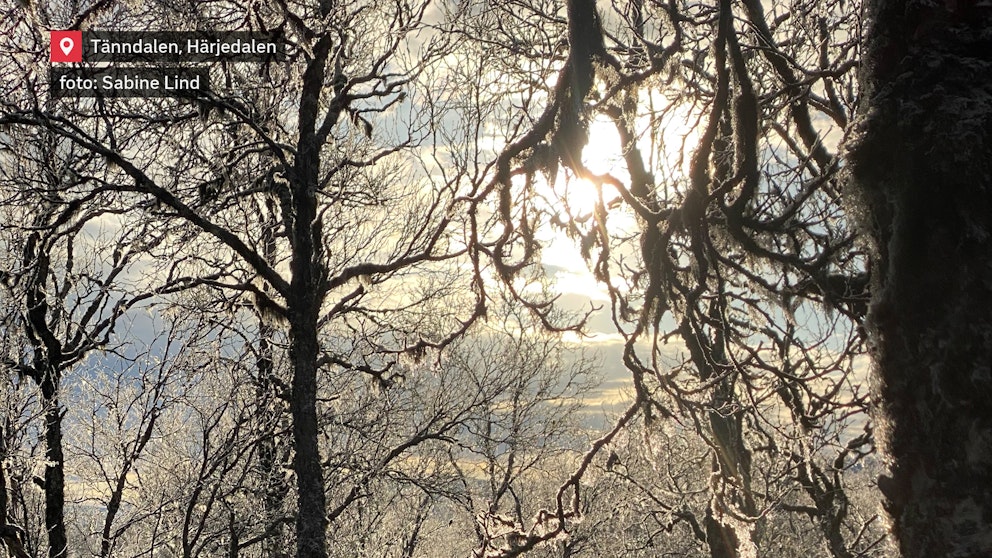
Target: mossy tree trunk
921, 158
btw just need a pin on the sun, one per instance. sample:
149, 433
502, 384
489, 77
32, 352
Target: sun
665, 134
603, 152
576, 198
662, 136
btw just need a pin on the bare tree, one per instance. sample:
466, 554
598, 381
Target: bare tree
740, 301
334, 197
70, 282
461, 454
324, 168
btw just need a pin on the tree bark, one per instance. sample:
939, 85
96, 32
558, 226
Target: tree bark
307, 289
4, 499
921, 165
274, 485
721, 539
54, 475
311, 520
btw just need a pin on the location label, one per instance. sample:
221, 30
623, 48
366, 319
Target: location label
67, 46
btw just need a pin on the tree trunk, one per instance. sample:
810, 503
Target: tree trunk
4, 500
269, 402
722, 540
47, 374
921, 160
311, 521
274, 486
303, 309
54, 475
730, 479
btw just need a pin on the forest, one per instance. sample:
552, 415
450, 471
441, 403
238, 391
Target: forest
498, 278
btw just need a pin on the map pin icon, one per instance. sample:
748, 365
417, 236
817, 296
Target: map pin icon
66, 45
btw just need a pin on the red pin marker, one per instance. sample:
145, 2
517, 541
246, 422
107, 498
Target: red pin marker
67, 46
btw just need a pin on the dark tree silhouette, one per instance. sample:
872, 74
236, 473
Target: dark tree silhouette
740, 305
70, 301
920, 158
